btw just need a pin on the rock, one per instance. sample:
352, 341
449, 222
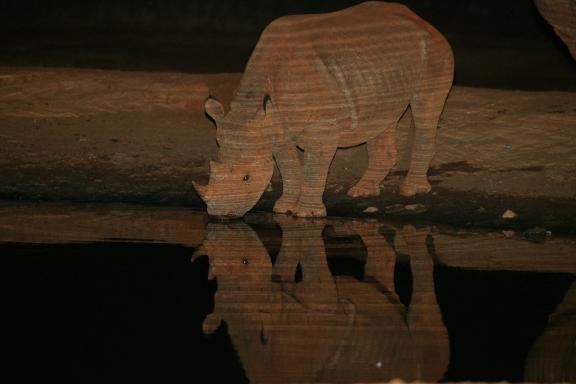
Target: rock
409, 209
508, 234
415, 208
537, 234
394, 209
509, 214
371, 210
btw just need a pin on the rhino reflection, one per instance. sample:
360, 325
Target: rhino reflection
552, 358
324, 327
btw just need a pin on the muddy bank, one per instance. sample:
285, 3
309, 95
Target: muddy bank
479, 249
92, 135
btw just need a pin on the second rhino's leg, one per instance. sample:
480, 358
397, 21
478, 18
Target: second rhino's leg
291, 172
320, 149
382, 155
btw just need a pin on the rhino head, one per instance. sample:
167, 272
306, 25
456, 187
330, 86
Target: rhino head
242, 267
245, 165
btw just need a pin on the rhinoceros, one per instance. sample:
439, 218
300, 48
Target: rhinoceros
561, 14
318, 82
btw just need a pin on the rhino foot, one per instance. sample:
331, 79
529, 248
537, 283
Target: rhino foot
410, 187
364, 189
283, 205
310, 211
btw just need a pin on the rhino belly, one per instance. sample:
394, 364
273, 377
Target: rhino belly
356, 117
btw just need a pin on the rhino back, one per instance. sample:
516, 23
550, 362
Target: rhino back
357, 67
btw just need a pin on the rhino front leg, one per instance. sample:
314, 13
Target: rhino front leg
318, 155
381, 158
291, 171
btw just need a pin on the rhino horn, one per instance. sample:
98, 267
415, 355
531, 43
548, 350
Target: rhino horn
211, 323
200, 251
201, 189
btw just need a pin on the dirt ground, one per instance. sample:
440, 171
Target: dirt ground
96, 135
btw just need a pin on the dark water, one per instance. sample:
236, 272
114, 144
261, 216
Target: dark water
275, 299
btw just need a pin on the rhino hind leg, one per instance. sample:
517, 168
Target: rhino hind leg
416, 180
382, 154
427, 104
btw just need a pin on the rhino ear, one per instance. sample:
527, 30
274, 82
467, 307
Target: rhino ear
214, 109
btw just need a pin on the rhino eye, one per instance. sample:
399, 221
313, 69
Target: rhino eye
246, 177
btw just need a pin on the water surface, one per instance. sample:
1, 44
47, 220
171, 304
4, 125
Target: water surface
118, 291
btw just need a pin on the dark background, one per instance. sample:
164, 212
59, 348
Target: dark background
502, 44
511, 17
